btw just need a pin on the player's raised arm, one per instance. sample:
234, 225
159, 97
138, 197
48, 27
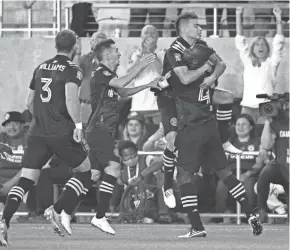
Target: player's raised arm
123, 81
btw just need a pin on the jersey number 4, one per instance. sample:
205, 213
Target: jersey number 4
46, 91
204, 96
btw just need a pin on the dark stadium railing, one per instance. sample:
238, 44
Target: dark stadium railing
238, 215
60, 5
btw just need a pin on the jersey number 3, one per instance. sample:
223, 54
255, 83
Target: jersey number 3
45, 97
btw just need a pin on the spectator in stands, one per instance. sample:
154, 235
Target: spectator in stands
275, 136
13, 137
135, 130
87, 63
145, 101
244, 140
259, 67
138, 17
133, 166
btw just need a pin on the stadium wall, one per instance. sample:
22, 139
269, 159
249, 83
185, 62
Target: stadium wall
19, 57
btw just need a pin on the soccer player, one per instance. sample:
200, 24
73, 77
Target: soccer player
175, 57
198, 140
102, 125
55, 129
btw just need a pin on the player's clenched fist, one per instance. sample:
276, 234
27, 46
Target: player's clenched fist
78, 135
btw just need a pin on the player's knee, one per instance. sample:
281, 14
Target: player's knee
170, 138
223, 174
31, 174
96, 175
84, 166
113, 169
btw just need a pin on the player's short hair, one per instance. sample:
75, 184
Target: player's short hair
101, 47
184, 17
65, 40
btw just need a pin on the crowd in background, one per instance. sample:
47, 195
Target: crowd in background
140, 130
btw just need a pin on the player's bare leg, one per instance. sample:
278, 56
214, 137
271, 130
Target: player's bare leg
224, 101
112, 173
14, 198
189, 200
238, 192
60, 213
169, 157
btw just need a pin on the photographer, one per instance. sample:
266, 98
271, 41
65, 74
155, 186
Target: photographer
275, 136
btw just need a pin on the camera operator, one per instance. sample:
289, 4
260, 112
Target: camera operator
275, 136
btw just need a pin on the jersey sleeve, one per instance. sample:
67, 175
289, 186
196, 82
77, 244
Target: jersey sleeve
211, 50
175, 59
75, 75
32, 82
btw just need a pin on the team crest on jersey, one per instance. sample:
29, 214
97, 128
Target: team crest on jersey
177, 57
251, 148
173, 121
107, 73
80, 75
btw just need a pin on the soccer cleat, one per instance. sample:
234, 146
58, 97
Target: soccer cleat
65, 222
193, 233
257, 227
103, 224
230, 148
169, 198
3, 234
54, 219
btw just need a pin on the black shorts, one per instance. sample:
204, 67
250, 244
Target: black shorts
200, 146
39, 150
167, 108
102, 147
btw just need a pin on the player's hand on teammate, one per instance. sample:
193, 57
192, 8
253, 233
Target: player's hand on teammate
155, 84
146, 60
239, 10
78, 135
210, 66
208, 82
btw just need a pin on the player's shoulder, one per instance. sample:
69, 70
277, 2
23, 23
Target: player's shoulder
102, 72
72, 65
177, 46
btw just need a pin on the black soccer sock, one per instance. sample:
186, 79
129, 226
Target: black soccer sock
224, 116
189, 203
238, 192
105, 194
71, 194
168, 164
15, 197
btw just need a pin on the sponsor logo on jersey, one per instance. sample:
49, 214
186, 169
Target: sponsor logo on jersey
80, 75
112, 93
107, 73
173, 121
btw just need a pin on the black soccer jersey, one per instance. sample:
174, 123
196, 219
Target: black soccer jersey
50, 115
193, 103
104, 98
